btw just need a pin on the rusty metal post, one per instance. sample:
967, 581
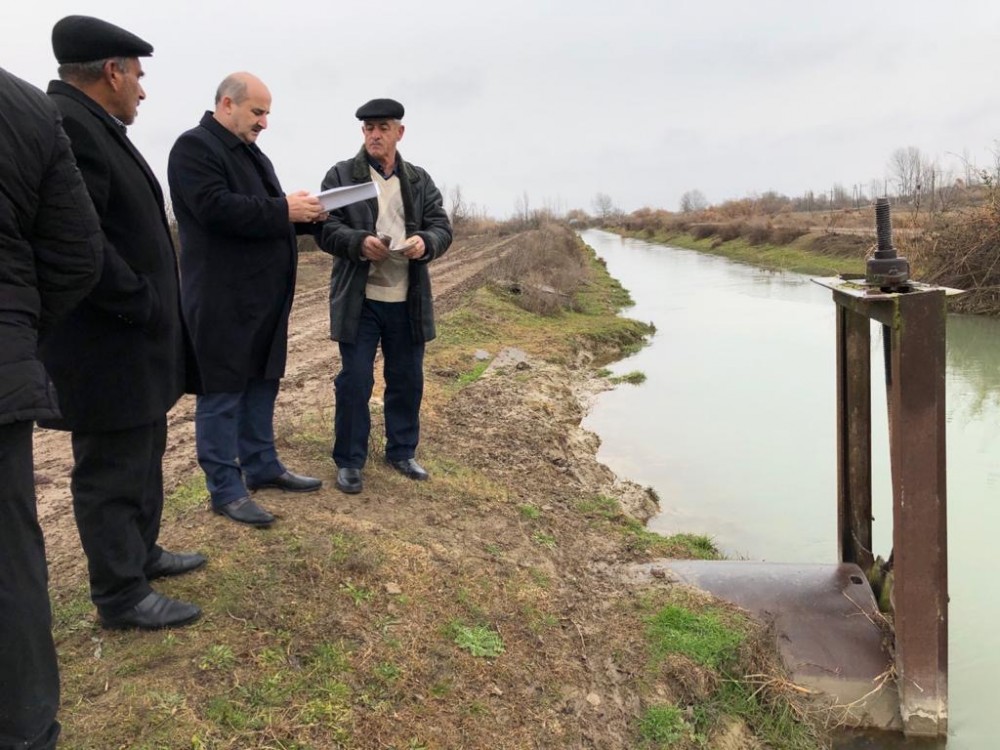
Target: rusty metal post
920, 541
914, 318
854, 428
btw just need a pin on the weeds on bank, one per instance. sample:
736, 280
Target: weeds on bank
706, 644
704, 637
661, 726
632, 378
638, 539
797, 257
585, 318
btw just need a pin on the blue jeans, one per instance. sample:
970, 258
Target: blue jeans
403, 369
234, 433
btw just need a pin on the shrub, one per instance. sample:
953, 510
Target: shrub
786, 235
730, 231
759, 234
544, 272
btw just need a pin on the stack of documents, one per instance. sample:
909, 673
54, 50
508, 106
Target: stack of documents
345, 196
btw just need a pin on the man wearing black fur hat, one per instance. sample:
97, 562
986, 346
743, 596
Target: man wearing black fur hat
119, 362
380, 292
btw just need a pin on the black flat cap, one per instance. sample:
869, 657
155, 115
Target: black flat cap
380, 109
78, 39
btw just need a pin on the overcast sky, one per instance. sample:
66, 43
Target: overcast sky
559, 101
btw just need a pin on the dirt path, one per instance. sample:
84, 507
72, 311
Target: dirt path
306, 386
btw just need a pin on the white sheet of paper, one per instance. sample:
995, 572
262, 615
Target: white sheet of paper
345, 196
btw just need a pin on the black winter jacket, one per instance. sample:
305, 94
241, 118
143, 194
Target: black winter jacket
50, 243
344, 232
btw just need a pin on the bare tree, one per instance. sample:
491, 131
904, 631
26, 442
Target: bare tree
905, 166
693, 200
604, 207
459, 210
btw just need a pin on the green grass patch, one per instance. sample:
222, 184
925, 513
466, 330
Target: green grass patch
662, 726
775, 724
218, 657
641, 540
600, 506
72, 611
632, 378
603, 293
530, 512
696, 546
793, 258
544, 540
472, 375
191, 495
704, 637
478, 640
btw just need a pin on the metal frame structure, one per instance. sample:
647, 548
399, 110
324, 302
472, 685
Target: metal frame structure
914, 324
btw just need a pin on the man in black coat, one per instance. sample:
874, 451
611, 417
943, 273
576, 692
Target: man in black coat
238, 262
380, 292
118, 361
50, 257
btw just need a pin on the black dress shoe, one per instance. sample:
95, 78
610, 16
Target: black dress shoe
290, 483
349, 481
154, 612
245, 511
409, 468
174, 564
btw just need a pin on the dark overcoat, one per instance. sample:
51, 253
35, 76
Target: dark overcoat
238, 255
50, 243
119, 360
344, 232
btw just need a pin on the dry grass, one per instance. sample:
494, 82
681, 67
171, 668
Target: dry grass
544, 272
961, 251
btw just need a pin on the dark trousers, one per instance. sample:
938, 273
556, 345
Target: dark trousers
403, 370
234, 433
29, 677
117, 489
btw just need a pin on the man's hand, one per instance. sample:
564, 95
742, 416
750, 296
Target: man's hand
303, 207
415, 247
374, 249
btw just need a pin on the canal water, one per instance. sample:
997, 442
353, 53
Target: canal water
734, 427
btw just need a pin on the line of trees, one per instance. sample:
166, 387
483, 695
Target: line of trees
911, 178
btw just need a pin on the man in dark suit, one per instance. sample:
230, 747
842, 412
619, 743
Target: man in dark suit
238, 261
50, 257
118, 361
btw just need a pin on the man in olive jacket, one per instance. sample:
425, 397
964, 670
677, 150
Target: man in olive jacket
380, 292
238, 261
119, 361
50, 257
